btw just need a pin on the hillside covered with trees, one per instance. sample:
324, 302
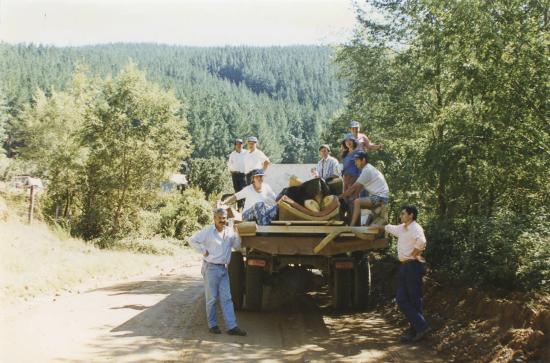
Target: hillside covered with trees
284, 95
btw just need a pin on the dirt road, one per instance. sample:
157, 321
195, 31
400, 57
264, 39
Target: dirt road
162, 318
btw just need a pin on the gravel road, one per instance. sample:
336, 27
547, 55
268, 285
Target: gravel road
162, 319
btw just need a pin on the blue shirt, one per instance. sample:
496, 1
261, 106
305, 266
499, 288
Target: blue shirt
349, 164
218, 244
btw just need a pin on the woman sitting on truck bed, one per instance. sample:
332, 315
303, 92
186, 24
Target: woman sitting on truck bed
260, 204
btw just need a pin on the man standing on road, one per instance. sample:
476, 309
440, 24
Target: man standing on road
236, 168
371, 180
214, 242
328, 167
254, 159
410, 244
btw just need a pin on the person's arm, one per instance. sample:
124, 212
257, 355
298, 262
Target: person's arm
355, 188
266, 164
229, 162
235, 197
419, 241
335, 169
236, 242
392, 229
197, 241
369, 145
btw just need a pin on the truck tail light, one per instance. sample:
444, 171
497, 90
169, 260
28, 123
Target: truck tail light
255, 262
344, 265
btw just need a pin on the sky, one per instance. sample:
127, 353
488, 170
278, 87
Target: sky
181, 22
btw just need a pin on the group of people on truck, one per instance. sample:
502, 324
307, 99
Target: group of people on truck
364, 186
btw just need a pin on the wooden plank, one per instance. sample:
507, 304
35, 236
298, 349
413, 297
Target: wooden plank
325, 241
308, 223
315, 229
287, 245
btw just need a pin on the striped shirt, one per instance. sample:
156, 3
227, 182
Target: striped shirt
328, 167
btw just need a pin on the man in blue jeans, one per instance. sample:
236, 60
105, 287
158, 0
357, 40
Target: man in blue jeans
410, 244
214, 242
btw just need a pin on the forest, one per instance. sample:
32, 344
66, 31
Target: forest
286, 96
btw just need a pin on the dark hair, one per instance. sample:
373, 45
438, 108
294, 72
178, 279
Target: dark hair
362, 155
411, 209
346, 150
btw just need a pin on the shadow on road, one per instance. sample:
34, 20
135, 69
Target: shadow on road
301, 328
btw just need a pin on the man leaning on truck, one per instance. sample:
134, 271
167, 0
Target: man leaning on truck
214, 242
410, 244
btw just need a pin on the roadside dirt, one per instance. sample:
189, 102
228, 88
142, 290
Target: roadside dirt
162, 319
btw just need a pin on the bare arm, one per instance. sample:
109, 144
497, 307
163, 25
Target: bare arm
266, 164
355, 188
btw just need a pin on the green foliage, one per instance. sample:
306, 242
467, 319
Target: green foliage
458, 94
184, 214
136, 138
228, 92
209, 175
507, 251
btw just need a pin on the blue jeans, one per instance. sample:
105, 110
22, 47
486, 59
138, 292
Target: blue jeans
216, 285
409, 293
263, 213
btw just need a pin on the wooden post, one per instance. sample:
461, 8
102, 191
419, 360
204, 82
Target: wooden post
31, 204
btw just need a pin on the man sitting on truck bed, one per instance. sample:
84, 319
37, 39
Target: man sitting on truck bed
370, 179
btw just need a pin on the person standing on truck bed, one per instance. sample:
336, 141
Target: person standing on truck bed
254, 159
236, 168
259, 204
214, 242
328, 167
410, 244
363, 142
370, 179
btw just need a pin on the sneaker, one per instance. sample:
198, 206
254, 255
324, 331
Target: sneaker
215, 330
408, 337
419, 336
236, 331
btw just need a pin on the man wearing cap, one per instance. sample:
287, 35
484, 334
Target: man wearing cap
214, 242
236, 167
328, 167
254, 159
363, 142
260, 204
371, 180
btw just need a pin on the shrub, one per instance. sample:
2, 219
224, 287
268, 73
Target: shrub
184, 215
507, 251
210, 175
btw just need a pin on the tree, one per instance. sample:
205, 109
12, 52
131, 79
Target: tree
136, 136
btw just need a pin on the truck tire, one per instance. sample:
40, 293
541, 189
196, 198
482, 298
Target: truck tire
236, 279
361, 284
254, 288
341, 296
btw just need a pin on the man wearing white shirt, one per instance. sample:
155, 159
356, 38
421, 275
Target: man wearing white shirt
214, 242
328, 167
254, 159
236, 167
410, 244
371, 180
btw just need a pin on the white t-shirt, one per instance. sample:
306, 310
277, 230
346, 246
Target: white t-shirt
252, 196
408, 238
236, 161
254, 160
373, 181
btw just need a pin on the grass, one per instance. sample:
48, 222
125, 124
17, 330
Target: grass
35, 260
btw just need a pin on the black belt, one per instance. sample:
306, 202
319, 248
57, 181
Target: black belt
408, 261
237, 173
217, 264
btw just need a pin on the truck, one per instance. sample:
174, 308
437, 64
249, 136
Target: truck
287, 250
